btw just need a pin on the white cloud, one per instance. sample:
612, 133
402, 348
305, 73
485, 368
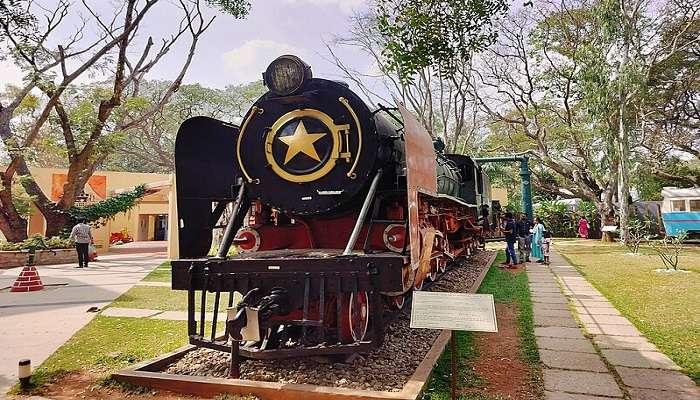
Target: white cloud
247, 62
346, 6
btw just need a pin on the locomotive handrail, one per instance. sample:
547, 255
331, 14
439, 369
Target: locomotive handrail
351, 173
363, 214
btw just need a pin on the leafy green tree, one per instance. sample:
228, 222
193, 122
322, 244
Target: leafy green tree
440, 34
104, 112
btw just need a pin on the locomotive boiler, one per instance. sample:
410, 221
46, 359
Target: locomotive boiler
339, 213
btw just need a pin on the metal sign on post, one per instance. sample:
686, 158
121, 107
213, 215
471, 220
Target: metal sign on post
455, 312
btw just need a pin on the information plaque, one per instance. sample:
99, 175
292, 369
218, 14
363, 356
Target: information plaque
453, 311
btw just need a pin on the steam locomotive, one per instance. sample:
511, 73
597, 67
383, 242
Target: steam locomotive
339, 212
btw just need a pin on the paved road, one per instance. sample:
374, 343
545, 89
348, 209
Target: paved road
33, 325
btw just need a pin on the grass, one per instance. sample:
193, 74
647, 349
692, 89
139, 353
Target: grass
161, 274
164, 298
103, 346
663, 306
507, 288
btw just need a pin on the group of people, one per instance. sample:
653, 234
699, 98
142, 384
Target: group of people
533, 240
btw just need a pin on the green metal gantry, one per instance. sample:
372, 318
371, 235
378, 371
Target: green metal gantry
524, 178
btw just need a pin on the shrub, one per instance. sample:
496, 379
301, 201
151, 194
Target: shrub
562, 222
669, 249
37, 242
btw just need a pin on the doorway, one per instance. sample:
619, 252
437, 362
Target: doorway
161, 228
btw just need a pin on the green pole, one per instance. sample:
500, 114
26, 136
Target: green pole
525, 188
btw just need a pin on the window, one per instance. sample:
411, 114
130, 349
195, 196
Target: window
694, 205
678, 205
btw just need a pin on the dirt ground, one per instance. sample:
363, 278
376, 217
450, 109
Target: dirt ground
499, 362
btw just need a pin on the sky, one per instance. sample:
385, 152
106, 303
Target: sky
238, 51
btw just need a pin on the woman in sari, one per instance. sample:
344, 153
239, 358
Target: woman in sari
537, 237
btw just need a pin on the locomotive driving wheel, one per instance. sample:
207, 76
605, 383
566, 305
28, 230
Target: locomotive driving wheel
433, 269
355, 317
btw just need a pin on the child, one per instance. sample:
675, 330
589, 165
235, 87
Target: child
546, 242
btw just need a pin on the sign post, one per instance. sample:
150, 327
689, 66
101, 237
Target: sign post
454, 312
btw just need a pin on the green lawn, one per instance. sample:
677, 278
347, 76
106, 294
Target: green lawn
663, 306
103, 346
164, 298
506, 288
161, 274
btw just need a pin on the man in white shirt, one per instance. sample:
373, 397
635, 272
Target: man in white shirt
82, 236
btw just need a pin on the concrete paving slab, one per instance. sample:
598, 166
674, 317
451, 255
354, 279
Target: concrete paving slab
582, 291
612, 330
562, 344
544, 291
572, 360
623, 342
650, 394
555, 321
552, 313
129, 312
596, 310
639, 359
560, 299
538, 280
657, 379
583, 382
589, 297
560, 332
593, 303
549, 306
604, 319
571, 396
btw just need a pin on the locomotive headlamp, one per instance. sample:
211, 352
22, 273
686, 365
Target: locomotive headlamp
286, 75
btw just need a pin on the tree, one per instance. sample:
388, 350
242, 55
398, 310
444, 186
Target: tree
440, 101
149, 147
579, 84
116, 52
439, 34
527, 84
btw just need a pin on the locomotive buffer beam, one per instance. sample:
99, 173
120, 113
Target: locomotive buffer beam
295, 286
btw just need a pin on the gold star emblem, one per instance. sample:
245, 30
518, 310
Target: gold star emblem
301, 142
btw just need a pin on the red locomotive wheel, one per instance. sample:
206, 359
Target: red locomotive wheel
442, 264
418, 285
398, 301
433, 270
355, 318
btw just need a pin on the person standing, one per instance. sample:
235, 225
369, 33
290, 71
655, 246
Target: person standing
537, 236
81, 234
583, 228
511, 238
522, 228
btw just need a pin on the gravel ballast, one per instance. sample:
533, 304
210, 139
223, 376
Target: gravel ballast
387, 368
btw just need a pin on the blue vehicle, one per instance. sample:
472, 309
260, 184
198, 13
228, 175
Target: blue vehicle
681, 210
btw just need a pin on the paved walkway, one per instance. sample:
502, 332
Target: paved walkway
34, 324
590, 351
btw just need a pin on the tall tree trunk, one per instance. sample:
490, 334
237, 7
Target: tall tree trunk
12, 224
623, 149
